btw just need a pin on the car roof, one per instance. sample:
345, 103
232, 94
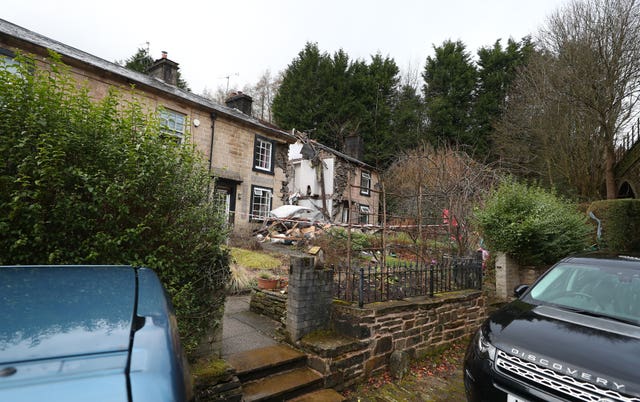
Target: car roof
58, 311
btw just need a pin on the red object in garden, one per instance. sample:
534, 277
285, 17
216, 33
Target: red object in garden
267, 284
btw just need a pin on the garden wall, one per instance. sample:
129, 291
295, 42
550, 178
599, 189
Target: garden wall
346, 343
414, 327
509, 275
270, 304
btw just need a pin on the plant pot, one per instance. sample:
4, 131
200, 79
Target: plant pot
267, 284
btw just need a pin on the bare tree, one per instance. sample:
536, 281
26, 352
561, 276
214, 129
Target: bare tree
585, 95
263, 93
219, 95
441, 187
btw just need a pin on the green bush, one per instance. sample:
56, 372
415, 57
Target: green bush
620, 223
533, 225
84, 182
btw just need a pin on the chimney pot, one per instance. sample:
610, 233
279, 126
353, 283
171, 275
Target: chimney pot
165, 70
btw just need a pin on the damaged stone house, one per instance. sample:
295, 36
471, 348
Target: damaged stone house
341, 186
246, 156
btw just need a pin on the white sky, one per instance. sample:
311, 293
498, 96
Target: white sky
212, 39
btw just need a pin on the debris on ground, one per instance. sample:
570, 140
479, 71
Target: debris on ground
290, 224
434, 378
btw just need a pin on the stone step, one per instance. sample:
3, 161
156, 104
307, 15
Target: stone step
280, 387
323, 395
254, 364
332, 345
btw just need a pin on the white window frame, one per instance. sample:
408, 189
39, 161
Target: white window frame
364, 212
260, 210
345, 213
365, 183
263, 155
173, 123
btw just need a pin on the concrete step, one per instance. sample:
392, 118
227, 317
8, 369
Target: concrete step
283, 386
323, 395
254, 364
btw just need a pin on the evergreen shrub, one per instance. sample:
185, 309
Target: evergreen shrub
86, 182
533, 225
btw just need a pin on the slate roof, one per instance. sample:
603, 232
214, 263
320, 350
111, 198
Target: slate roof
23, 34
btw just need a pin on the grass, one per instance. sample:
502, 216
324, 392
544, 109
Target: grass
247, 266
240, 281
210, 370
254, 259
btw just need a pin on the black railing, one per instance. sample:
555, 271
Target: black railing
376, 283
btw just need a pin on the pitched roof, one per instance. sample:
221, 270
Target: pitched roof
23, 34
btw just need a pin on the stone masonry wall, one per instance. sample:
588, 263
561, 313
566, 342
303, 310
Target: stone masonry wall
414, 327
310, 297
269, 304
507, 275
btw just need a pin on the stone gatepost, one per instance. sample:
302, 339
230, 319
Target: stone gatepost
507, 275
310, 297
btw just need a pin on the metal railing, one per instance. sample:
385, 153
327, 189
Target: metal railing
376, 283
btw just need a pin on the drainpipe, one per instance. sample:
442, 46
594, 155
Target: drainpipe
213, 129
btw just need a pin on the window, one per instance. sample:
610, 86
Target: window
8, 61
365, 183
260, 203
173, 123
364, 214
345, 212
263, 155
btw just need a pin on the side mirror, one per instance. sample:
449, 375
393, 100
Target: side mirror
519, 290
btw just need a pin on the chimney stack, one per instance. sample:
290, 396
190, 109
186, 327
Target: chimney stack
354, 147
240, 101
165, 70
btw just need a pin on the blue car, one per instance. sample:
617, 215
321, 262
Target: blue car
90, 334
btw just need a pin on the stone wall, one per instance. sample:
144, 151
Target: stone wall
414, 327
269, 304
509, 275
347, 344
528, 275
216, 386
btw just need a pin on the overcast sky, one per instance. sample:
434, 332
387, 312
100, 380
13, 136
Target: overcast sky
240, 39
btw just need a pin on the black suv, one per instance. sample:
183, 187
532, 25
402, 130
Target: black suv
574, 335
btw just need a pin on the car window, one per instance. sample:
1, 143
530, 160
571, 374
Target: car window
612, 291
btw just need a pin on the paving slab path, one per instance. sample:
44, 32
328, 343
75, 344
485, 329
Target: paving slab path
244, 330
